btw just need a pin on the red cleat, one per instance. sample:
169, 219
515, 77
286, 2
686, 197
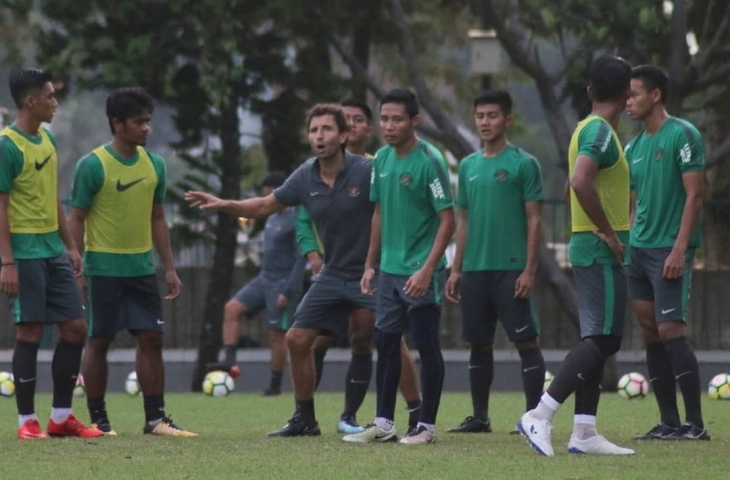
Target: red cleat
234, 371
230, 368
31, 430
71, 427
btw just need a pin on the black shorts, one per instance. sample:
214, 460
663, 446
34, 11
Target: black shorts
393, 304
647, 282
124, 303
602, 299
48, 292
489, 296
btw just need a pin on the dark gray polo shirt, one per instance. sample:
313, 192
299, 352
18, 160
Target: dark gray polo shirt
342, 215
282, 259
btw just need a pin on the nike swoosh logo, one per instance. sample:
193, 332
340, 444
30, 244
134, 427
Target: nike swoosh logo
411, 410
471, 179
651, 380
474, 366
39, 166
383, 175
352, 380
580, 375
312, 194
26, 380
638, 160
530, 368
377, 437
521, 329
682, 374
126, 186
664, 312
160, 322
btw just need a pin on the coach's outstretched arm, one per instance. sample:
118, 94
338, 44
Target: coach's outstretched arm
259, 207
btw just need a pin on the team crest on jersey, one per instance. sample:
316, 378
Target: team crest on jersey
501, 175
353, 191
405, 179
659, 155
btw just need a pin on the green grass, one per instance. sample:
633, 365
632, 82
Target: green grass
232, 444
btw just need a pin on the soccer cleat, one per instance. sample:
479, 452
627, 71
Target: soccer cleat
421, 436
348, 425
166, 427
31, 430
271, 392
596, 445
295, 427
105, 427
689, 431
412, 427
515, 431
659, 432
372, 434
538, 433
230, 368
472, 425
71, 427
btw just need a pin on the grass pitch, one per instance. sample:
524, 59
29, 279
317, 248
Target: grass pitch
232, 444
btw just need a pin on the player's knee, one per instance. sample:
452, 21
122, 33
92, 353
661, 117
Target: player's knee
234, 309
606, 344
298, 343
74, 331
526, 345
361, 342
670, 330
149, 341
30, 333
481, 346
323, 342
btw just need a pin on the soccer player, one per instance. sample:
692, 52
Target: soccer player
412, 225
667, 162
40, 261
497, 243
359, 120
117, 214
276, 289
334, 188
599, 205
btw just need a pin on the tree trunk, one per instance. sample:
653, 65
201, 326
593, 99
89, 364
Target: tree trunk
221, 276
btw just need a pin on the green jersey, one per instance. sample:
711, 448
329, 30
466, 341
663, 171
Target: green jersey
28, 173
88, 180
411, 191
657, 164
595, 139
493, 191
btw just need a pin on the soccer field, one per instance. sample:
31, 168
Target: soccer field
232, 444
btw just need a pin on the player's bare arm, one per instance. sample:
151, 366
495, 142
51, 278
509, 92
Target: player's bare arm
526, 280
8, 274
259, 207
693, 183
453, 284
373, 253
73, 252
161, 239
418, 284
583, 185
76, 227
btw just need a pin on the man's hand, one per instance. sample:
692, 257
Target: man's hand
202, 200
365, 283
618, 249
674, 265
174, 285
315, 261
83, 287
76, 263
524, 284
282, 302
417, 285
453, 287
9, 282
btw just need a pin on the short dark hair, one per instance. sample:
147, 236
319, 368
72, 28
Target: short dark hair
22, 82
125, 102
495, 97
404, 97
322, 109
353, 102
610, 78
654, 78
273, 179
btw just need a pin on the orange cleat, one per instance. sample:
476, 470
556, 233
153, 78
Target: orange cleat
71, 427
31, 430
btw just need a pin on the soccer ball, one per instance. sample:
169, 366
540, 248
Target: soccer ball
131, 385
548, 380
719, 388
218, 384
80, 388
7, 384
632, 385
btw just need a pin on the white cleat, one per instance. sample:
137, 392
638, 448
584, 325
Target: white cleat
538, 433
419, 436
596, 445
372, 434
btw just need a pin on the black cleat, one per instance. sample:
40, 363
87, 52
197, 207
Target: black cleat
659, 432
297, 428
689, 431
412, 429
472, 425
